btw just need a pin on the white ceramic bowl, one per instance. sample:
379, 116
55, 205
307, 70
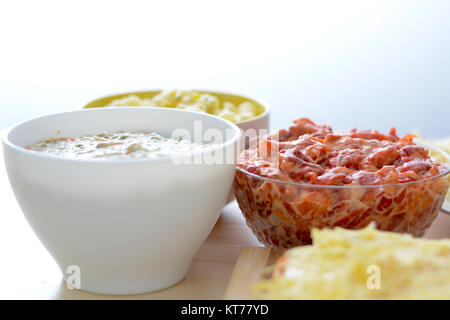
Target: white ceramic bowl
131, 226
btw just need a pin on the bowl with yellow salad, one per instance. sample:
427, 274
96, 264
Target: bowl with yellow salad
245, 112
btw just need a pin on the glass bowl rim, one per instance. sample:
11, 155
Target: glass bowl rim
372, 186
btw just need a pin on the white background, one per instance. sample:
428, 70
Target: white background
365, 64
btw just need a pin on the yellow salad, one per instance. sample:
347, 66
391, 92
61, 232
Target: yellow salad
443, 144
194, 101
361, 264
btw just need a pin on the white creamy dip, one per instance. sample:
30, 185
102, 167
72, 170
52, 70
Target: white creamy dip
118, 145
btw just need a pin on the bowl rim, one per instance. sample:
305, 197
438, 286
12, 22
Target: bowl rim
7, 143
321, 186
262, 102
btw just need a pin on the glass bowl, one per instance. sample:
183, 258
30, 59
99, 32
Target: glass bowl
282, 214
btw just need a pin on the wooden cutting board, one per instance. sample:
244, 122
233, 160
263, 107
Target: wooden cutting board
253, 261
249, 269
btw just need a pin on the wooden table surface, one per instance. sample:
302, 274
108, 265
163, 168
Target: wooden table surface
27, 271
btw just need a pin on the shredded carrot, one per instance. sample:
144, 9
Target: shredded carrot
318, 140
408, 138
112, 143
